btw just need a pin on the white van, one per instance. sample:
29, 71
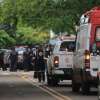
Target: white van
60, 62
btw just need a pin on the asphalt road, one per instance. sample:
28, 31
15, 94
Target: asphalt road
21, 86
15, 87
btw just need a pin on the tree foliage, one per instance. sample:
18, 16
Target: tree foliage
21, 18
6, 40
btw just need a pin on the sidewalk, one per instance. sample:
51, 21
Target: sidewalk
19, 72
28, 75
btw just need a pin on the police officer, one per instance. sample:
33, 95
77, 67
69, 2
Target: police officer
40, 66
31, 55
13, 59
26, 59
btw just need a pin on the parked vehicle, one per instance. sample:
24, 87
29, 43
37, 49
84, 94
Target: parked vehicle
6, 58
1, 58
60, 62
20, 52
87, 52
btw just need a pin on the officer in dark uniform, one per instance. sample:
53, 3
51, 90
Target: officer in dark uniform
40, 66
13, 59
30, 60
26, 60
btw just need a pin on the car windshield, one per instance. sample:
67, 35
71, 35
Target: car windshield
67, 45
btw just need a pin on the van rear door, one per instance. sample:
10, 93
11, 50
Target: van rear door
66, 54
95, 54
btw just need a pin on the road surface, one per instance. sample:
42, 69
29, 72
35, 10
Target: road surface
22, 86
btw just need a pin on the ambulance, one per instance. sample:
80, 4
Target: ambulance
87, 52
60, 62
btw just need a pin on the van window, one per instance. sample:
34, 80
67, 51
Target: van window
98, 34
67, 45
83, 36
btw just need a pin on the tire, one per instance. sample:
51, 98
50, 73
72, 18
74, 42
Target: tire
75, 86
85, 88
55, 82
98, 92
51, 81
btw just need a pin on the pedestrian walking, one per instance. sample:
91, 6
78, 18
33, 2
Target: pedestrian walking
40, 66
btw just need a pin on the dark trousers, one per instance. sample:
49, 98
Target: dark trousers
26, 65
13, 66
41, 76
4, 67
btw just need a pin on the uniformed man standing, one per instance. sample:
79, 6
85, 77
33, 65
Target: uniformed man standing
13, 59
40, 66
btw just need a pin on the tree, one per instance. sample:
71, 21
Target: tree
6, 40
58, 15
9, 16
29, 36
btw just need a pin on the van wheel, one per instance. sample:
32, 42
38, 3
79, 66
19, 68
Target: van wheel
51, 81
75, 86
55, 82
98, 92
85, 88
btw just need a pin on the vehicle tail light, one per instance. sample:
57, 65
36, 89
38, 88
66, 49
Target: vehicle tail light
87, 59
56, 61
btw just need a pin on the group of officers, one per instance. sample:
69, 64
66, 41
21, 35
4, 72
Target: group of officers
34, 60
40, 62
